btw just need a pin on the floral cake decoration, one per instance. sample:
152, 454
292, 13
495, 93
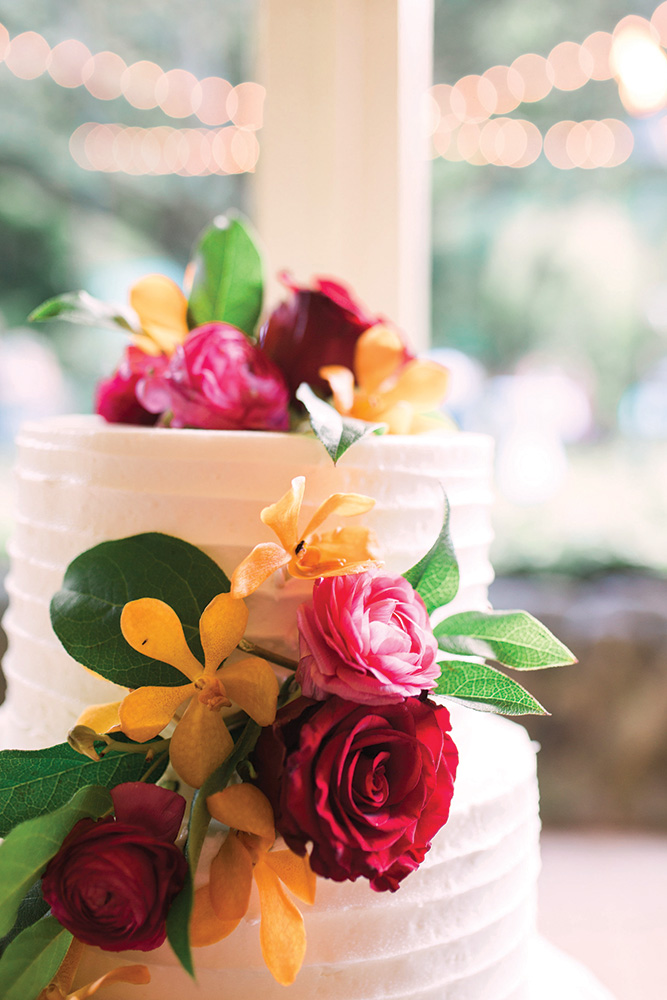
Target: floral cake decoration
337, 764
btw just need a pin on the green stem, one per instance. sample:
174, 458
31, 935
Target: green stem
266, 654
144, 748
156, 763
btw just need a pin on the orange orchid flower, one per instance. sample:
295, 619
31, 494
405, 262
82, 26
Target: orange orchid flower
388, 389
201, 740
162, 310
59, 988
246, 855
305, 554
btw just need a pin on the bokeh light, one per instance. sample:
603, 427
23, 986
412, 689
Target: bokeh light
27, 55
245, 105
598, 47
571, 64
506, 99
212, 108
640, 65
163, 150
588, 144
102, 75
531, 78
178, 93
139, 83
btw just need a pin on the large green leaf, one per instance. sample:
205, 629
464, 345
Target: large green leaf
35, 782
33, 907
85, 613
80, 307
483, 687
32, 959
513, 638
436, 576
227, 284
30, 846
337, 433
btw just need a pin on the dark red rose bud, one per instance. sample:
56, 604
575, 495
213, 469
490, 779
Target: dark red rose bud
113, 880
314, 327
115, 397
369, 786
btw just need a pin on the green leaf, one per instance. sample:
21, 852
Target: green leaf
33, 907
513, 638
436, 576
483, 687
35, 782
85, 613
80, 307
227, 285
29, 847
32, 959
337, 433
178, 920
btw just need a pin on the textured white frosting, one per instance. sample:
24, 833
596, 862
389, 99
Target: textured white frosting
81, 481
459, 928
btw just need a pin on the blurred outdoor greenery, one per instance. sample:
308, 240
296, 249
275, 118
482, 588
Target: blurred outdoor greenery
535, 270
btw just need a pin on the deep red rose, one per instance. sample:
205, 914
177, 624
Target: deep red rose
314, 327
113, 880
218, 379
115, 397
370, 786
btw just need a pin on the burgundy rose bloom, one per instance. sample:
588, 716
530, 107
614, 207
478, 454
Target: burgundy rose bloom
314, 327
113, 880
218, 379
366, 637
115, 397
369, 786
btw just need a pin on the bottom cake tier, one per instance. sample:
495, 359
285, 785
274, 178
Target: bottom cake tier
462, 927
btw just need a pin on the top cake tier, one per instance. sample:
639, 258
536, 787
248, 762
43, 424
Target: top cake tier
81, 481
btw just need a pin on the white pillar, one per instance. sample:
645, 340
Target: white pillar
343, 180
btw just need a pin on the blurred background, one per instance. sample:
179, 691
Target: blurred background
126, 127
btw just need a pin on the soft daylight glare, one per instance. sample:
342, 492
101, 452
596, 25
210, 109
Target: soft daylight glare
640, 65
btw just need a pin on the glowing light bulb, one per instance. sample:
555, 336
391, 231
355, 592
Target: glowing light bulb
640, 66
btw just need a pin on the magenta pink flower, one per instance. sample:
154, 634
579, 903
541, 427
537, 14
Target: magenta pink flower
314, 327
115, 397
366, 638
218, 379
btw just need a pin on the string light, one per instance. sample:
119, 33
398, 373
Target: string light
461, 120
144, 85
163, 150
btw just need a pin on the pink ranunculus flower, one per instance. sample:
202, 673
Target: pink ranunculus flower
218, 379
116, 398
366, 638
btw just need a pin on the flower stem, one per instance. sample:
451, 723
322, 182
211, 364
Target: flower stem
156, 763
266, 654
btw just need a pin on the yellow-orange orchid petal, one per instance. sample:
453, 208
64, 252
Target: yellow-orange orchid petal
144, 713
138, 975
294, 871
282, 933
422, 383
162, 310
351, 544
378, 353
153, 628
343, 504
243, 807
101, 718
283, 515
341, 383
257, 567
231, 879
61, 983
205, 927
399, 417
200, 743
221, 627
252, 684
